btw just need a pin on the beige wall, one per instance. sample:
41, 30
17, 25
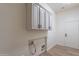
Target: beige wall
13, 34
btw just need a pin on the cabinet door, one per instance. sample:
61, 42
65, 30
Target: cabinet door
42, 18
47, 20
35, 16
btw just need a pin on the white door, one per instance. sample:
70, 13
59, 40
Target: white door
42, 18
72, 34
35, 16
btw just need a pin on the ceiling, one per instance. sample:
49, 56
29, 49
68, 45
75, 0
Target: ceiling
57, 7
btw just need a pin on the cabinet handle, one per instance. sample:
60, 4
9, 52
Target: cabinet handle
49, 27
65, 34
39, 26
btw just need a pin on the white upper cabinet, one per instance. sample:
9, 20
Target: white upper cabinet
47, 20
37, 17
42, 18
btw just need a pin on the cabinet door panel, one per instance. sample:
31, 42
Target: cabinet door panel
42, 18
47, 20
35, 16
